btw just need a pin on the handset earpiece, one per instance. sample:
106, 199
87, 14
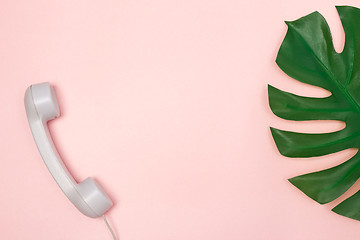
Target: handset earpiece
41, 106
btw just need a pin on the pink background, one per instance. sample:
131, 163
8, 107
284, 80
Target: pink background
165, 104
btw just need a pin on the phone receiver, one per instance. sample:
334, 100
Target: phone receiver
41, 106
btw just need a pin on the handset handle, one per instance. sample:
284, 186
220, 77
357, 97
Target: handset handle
41, 106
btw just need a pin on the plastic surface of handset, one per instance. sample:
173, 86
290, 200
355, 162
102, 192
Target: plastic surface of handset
41, 106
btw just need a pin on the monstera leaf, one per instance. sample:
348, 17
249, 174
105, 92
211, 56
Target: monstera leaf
307, 54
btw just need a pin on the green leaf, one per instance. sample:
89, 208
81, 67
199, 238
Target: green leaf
307, 54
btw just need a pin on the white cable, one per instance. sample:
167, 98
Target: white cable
108, 226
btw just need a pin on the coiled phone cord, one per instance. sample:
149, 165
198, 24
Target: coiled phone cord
110, 229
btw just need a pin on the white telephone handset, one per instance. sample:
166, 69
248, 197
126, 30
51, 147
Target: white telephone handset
41, 106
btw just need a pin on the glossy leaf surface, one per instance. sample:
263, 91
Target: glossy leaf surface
307, 54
